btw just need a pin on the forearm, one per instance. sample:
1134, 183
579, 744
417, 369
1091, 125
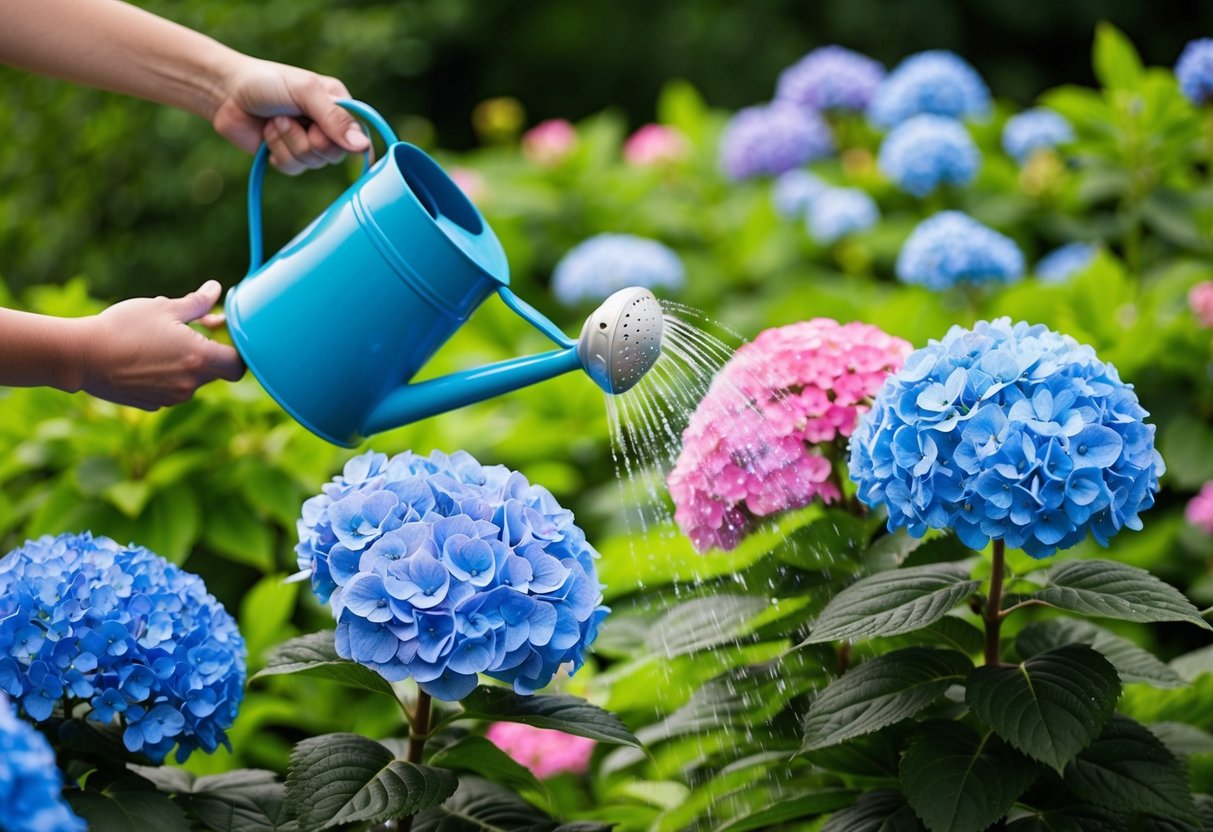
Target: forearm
40, 350
116, 46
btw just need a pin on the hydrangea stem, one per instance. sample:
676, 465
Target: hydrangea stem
993, 611
419, 732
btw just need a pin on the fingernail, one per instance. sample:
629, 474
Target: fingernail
356, 139
282, 124
210, 286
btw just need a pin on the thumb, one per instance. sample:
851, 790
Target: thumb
198, 302
322, 108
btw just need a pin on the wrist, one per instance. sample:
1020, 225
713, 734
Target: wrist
77, 339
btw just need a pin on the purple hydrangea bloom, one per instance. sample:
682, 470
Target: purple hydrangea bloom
30, 784
1194, 69
1007, 432
951, 247
924, 152
119, 627
1032, 130
771, 139
838, 212
794, 191
1062, 263
831, 78
936, 81
606, 263
477, 571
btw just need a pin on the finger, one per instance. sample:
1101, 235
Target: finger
213, 321
319, 102
222, 362
321, 144
197, 303
288, 140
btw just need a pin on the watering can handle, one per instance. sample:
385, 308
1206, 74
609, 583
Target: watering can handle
257, 175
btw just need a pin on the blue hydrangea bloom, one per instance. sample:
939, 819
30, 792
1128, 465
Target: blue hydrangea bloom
794, 191
30, 784
951, 247
838, 212
606, 263
831, 78
771, 139
1007, 432
924, 152
1063, 262
1195, 70
441, 568
937, 82
119, 627
1032, 130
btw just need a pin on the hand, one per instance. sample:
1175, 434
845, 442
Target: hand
293, 110
142, 352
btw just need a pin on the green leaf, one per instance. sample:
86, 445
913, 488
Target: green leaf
1132, 662
1115, 60
791, 808
337, 779
1182, 739
872, 755
958, 781
486, 807
129, 496
1115, 590
265, 614
949, 631
881, 692
704, 622
235, 533
559, 711
128, 804
315, 655
1050, 706
479, 756
883, 810
241, 801
890, 603
1128, 769
829, 541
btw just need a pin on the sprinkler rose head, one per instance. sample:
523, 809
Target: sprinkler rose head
621, 341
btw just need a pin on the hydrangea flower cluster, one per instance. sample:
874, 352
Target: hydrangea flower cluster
30, 784
1062, 263
794, 191
546, 752
837, 212
1199, 510
655, 144
926, 151
121, 628
1200, 300
1194, 69
936, 81
831, 78
951, 247
439, 568
606, 263
760, 442
1037, 129
549, 142
1007, 432
771, 139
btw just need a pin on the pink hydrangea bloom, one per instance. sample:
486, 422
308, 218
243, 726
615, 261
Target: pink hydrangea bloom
545, 752
764, 438
1201, 301
1200, 509
655, 144
548, 142
471, 182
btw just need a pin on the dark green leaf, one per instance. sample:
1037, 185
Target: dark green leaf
828, 541
1116, 590
128, 804
97, 741
1131, 662
1050, 706
315, 655
1182, 739
948, 631
889, 603
958, 781
560, 711
484, 807
241, 801
1076, 817
872, 755
1128, 769
337, 779
881, 692
883, 810
704, 622
479, 756
791, 808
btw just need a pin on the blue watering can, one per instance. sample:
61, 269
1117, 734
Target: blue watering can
337, 323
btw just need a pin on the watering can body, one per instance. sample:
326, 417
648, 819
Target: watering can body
337, 323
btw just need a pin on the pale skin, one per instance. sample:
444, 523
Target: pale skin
142, 352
